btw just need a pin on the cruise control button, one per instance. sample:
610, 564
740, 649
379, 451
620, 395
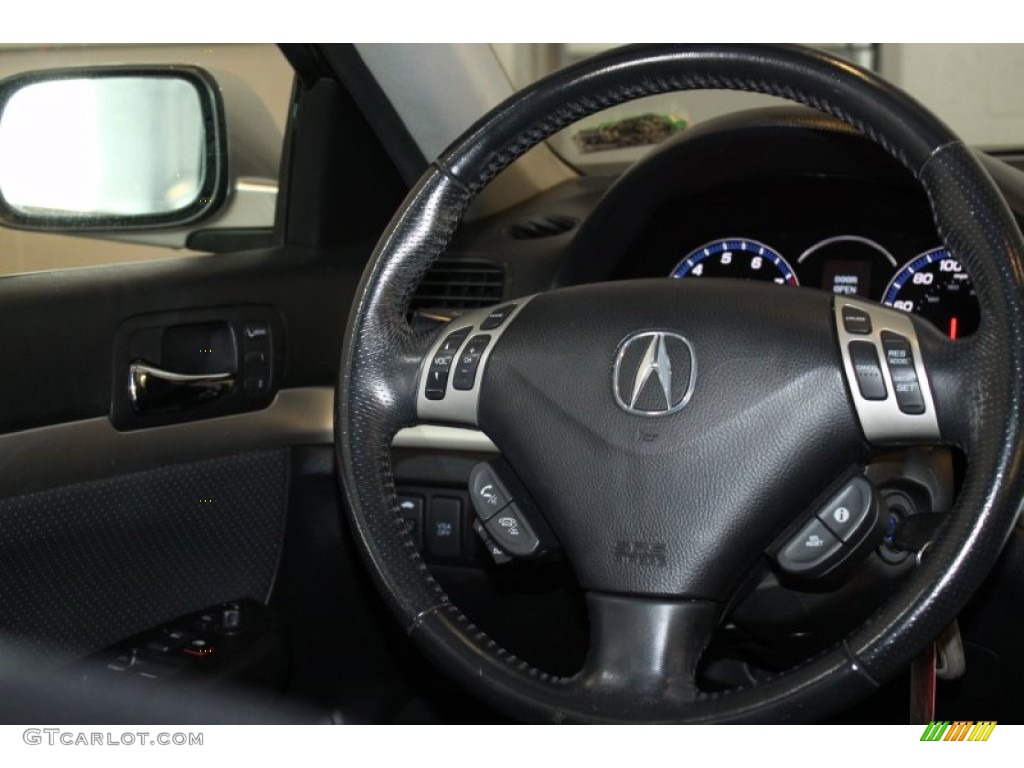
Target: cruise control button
510, 531
900, 359
487, 492
437, 375
851, 510
856, 320
811, 551
869, 373
497, 317
469, 360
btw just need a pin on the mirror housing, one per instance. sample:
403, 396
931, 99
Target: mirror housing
111, 148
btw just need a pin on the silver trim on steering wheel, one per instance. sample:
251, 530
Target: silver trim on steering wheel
882, 420
459, 406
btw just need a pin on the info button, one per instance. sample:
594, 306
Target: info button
846, 512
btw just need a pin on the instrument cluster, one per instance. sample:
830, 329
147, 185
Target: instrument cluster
932, 283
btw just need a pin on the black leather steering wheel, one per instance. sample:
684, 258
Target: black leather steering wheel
772, 414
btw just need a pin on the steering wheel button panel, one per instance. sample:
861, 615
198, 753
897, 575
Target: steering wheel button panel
856, 321
851, 510
905, 414
466, 362
811, 552
900, 359
869, 372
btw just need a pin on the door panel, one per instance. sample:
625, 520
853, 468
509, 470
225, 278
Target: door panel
85, 565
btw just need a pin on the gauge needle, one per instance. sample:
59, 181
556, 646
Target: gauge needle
952, 327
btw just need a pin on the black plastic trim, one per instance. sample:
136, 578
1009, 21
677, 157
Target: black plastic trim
230, 239
352, 73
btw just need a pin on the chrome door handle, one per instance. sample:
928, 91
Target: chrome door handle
150, 387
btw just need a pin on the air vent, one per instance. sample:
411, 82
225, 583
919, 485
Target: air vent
537, 227
459, 284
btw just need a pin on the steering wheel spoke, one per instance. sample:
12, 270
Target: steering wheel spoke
645, 651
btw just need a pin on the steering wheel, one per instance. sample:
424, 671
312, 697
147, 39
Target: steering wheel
669, 431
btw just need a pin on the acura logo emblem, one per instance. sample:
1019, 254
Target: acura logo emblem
655, 372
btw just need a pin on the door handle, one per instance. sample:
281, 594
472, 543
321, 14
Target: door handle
150, 387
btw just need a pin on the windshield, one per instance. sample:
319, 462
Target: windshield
975, 88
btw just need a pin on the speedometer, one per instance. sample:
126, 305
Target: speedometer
737, 258
935, 286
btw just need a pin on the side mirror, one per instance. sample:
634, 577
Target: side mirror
111, 148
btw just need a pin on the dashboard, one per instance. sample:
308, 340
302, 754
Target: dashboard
783, 195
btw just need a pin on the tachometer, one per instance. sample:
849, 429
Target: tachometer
935, 286
742, 259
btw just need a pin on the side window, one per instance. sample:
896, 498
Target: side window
255, 84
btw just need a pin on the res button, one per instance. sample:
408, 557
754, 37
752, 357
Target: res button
900, 359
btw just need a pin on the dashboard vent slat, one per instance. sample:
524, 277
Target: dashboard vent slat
536, 227
460, 284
